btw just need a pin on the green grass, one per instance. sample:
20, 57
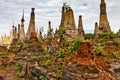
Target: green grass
115, 54
75, 45
25, 47
61, 53
19, 74
47, 62
59, 67
116, 42
99, 48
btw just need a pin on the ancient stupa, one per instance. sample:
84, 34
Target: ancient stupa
22, 32
104, 26
31, 28
68, 23
80, 28
49, 32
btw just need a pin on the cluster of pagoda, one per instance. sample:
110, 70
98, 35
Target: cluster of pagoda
67, 23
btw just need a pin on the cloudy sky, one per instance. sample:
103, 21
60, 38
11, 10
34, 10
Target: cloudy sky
50, 10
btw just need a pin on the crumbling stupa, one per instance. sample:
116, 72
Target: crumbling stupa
80, 28
18, 31
31, 28
68, 23
104, 26
49, 33
22, 32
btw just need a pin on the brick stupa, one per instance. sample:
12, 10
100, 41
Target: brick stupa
31, 28
22, 32
104, 26
80, 28
68, 22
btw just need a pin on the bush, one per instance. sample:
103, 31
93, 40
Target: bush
99, 48
19, 74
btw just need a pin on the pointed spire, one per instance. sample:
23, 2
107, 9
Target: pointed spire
22, 32
96, 25
41, 37
22, 20
56, 30
31, 28
96, 28
18, 28
103, 23
49, 34
80, 27
63, 16
13, 23
102, 7
15, 34
96, 32
49, 26
18, 33
80, 22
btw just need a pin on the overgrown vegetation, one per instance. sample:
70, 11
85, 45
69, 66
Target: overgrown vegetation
98, 48
62, 30
24, 47
47, 62
116, 42
115, 54
75, 45
40, 41
17, 65
41, 78
35, 78
107, 35
59, 67
61, 53
65, 43
19, 74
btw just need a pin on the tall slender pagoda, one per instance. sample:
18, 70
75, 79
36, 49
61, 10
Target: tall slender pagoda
104, 26
31, 28
80, 28
49, 33
22, 32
